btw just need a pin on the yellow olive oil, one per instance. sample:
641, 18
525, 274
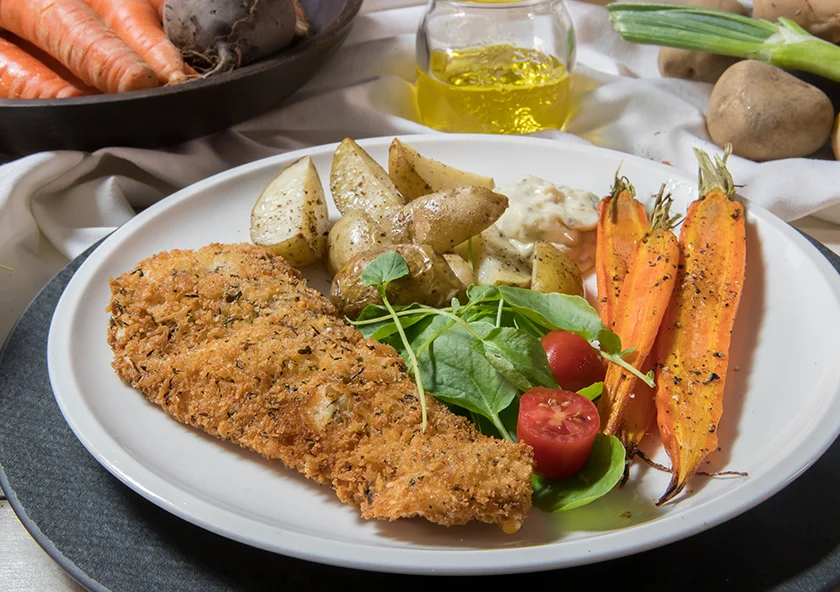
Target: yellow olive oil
498, 89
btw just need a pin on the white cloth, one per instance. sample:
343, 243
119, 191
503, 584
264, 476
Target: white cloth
54, 205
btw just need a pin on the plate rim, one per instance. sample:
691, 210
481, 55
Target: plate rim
448, 561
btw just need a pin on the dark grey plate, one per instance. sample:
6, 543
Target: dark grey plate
111, 539
169, 115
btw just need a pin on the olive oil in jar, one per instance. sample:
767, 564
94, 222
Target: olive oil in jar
496, 89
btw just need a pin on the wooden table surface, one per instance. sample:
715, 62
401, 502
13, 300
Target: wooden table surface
25, 567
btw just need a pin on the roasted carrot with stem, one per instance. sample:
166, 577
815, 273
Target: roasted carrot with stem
71, 32
622, 222
24, 77
693, 346
640, 309
138, 24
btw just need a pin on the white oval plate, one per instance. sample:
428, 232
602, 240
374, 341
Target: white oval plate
782, 401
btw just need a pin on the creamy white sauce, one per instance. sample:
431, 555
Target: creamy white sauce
540, 210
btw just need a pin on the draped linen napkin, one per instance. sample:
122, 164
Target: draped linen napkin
54, 205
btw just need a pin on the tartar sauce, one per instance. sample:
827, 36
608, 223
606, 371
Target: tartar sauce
540, 210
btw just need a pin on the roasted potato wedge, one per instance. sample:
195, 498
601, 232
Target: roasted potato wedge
461, 268
290, 216
496, 260
353, 234
357, 182
414, 175
430, 282
445, 219
554, 271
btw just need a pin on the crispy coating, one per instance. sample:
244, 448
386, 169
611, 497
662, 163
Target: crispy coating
229, 339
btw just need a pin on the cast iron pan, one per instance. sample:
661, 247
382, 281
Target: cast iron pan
165, 116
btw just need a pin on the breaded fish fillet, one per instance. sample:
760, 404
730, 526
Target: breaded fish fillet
229, 339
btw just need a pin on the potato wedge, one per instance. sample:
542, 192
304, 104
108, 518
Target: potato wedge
353, 234
460, 268
414, 175
445, 219
496, 260
554, 271
357, 182
290, 216
431, 281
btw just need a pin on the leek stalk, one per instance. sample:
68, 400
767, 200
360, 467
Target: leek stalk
784, 44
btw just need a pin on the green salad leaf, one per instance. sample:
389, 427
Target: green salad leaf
389, 266
480, 356
593, 391
518, 356
601, 473
454, 372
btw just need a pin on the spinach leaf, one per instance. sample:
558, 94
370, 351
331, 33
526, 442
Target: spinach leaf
387, 267
593, 391
518, 356
377, 323
597, 478
482, 293
457, 374
555, 311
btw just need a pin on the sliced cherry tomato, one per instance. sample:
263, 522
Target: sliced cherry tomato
574, 362
560, 426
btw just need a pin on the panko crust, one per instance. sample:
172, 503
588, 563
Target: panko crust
230, 340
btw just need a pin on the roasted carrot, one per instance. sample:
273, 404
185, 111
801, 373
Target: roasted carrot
137, 23
693, 346
622, 222
71, 32
640, 309
639, 414
24, 77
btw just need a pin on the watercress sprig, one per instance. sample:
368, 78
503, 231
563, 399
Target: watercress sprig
380, 272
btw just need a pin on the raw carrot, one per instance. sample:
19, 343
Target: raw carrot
24, 77
157, 5
50, 62
137, 23
693, 346
641, 307
622, 222
71, 32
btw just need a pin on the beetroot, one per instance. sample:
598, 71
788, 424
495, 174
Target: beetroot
219, 35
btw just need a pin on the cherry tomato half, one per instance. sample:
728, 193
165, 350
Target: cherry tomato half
560, 426
574, 362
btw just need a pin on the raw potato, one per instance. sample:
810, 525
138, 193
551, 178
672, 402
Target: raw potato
358, 182
554, 271
699, 65
445, 219
835, 138
496, 260
461, 268
353, 234
818, 17
767, 114
431, 281
290, 216
415, 175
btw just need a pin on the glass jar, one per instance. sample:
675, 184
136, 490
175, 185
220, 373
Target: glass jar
491, 66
